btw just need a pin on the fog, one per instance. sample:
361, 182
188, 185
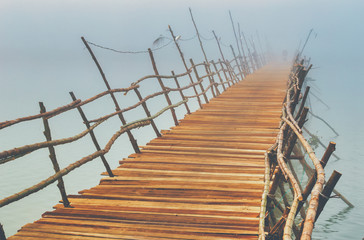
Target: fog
42, 58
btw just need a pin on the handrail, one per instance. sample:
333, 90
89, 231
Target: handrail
289, 127
65, 108
69, 168
12, 154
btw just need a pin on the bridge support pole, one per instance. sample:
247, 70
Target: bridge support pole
117, 107
185, 64
162, 86
218, 74
199, 80
146, 110
52, 156
326, 192
93, 137
181, 93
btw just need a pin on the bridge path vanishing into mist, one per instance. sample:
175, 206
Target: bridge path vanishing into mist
201, 180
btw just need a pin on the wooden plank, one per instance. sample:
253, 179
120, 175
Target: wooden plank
202, 179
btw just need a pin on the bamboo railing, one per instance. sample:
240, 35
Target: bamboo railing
206, 79
280, 171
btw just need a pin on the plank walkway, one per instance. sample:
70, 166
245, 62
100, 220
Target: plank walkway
201, 180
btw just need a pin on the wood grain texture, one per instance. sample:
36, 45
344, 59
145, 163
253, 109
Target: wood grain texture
203, 179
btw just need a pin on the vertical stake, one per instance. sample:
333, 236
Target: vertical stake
198, 36
236, 38
326, 192
162, 86
181, 93
218, 74
311, 182
245, 60
218, 44
52, 156
303, 102
144, 105
185, 64
93, 137
249, 53
117, 107
211, 79
237, 64
199, 80
224, 71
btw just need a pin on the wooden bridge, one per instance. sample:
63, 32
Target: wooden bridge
203, 179
223, 172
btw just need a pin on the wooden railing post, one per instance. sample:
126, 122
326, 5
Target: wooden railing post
185, 64
234, 78
236, 38
218, 74
162, 86
249, 53
93, 136
224, 71
326, 192
198, 36
211, 79
52, 156
198, 79
311, 182
245, 60
181, 93
117, 107
2, 233
237, 64
146, 110
218, 44
303, 101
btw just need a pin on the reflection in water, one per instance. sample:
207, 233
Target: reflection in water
329, 225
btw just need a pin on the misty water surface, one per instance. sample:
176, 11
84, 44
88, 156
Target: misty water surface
42, 58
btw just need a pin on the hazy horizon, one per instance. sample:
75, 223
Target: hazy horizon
42, 58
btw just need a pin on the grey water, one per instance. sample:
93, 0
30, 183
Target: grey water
42, 58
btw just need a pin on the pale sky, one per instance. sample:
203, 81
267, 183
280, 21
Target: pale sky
42, 57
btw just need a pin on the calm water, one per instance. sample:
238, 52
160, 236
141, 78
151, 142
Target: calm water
337, 221
43, 58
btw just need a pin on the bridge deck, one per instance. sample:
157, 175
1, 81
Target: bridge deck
201, 180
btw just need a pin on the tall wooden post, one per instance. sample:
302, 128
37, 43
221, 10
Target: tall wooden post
218, 44
249, 53
198, 36
199, 80
162, 86
52, 156
311, 182
185, 64
211, 79
218, 74
237, 64
146, 110
224, 71
93, 136
326, 192
181, 93
236, 37
245, 60
117, 107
